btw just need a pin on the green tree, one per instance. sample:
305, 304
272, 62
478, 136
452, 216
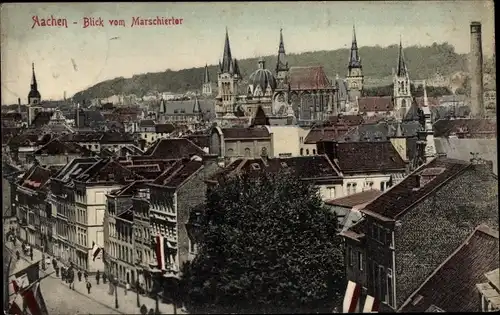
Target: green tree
267, 245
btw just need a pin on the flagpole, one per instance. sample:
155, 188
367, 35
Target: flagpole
31, 284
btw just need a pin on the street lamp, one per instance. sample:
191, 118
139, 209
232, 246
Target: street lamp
116, 292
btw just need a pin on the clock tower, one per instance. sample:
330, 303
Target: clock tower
355, 76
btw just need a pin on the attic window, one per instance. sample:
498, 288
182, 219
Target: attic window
417, 299
255, 166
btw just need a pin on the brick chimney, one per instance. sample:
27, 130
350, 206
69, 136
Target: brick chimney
476, 70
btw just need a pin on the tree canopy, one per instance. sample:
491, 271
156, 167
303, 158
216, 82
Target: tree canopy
267, 245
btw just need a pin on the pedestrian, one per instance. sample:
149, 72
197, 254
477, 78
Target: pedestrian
104, 277
97, 277
14, 241
31, 253
57, 271
54, 263
63, 274
127, 288
79, 275
18, 256
71, 278
88, 286
86, 275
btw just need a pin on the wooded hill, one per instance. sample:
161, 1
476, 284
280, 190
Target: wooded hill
378, 62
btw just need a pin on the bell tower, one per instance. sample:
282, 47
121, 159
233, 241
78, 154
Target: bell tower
355, 78
402, 93
34, 97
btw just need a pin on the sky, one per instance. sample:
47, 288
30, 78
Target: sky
74, 58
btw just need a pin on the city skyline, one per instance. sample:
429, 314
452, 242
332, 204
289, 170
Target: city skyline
72, 59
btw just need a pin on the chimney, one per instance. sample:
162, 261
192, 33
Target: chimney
19, 105
329, 148
476, 70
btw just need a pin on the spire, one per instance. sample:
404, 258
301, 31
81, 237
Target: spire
196, 106
402, 70
206, 78
33, 79
281, 64
236, 67
227, 58
354, 59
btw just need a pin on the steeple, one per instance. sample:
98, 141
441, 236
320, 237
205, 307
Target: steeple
236, 68
281, 64
354, 59
227, 58
33, 79
402, 70
206, 78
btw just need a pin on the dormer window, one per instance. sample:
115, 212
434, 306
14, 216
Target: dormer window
255, 166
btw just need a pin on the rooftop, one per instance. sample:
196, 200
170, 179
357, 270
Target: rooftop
355, 199
174, 148
452, 286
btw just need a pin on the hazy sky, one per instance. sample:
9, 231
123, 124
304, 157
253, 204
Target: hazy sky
71, 59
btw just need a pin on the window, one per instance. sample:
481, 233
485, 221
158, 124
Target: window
301, 139
349, 188
314, 151
307, 151
360, 261
301, 153
382, 186
230, 152
354, 187
369, 185
350, 256
331, 192
247, 152
390, 290
192, 246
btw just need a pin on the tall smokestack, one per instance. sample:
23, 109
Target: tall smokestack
19, 105
476, 70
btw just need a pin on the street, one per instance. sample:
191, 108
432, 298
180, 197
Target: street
60, 299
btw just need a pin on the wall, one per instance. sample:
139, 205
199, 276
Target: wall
436, 227
286, 140
330, 191
362, 179
255, 146
46, 159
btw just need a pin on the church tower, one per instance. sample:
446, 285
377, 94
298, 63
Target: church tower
227, 81
34, 97
281, 64
207, 85
402, 93
355, 78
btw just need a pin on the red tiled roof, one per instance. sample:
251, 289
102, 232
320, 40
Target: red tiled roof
452, 286
355, 199
36, 177
398, 198
308, 78
375, 104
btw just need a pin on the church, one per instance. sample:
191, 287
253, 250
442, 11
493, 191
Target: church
305, 93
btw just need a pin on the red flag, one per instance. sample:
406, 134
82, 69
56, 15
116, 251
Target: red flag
14, 309
34, 300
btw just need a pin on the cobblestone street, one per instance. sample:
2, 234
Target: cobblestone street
61, 299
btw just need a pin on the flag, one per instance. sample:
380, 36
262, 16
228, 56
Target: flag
371, 305
34, 300
351, 298
161, 252
24, 285
95, 251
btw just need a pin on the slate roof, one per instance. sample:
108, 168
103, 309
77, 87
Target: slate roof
246, 133
395, 201
107, 170
470, 127
35, 178
308, 78
14, 116
369, 156
29, 139
174, 148
306, 167
325, 133
186, 107
75, 167
460, 149
375, 104
8, 133
146, 123
355, 199
110, 137
380, 131
201, 140
452, 286
57, 147
178, 173
349, 120
130, 189
164, 128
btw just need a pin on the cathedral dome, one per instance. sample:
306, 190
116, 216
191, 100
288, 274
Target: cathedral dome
261, 80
